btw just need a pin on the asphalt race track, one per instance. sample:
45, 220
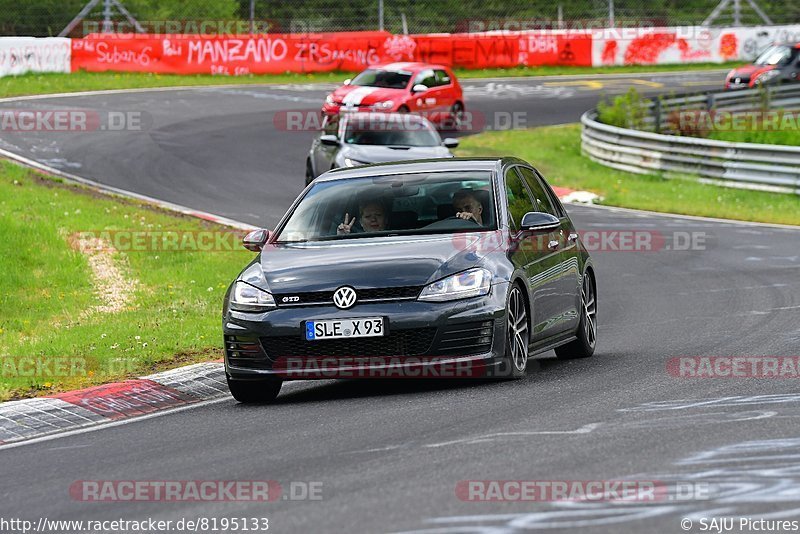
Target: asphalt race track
219, 150
389, 455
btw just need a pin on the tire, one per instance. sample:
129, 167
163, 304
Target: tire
515, 360
255, 391
584, 345
309, 172
403, 109
456, 116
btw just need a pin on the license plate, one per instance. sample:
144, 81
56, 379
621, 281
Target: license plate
344, 328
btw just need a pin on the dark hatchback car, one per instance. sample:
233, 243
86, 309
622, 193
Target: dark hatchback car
359, 138
777, 64
470, 262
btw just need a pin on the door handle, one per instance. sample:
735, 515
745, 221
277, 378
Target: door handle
552, 245
573, 237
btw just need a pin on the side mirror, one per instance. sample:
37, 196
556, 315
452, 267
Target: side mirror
536, 221
450, 142
329, 140
419, 88
347, 81
256, 240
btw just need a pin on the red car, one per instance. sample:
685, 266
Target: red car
430, 90
779, 63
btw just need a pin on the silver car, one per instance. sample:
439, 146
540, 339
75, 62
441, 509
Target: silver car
353, 139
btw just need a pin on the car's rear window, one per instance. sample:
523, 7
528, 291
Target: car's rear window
408, 204
382, 78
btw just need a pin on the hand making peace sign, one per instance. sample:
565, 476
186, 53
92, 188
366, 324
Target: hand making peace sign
345, 227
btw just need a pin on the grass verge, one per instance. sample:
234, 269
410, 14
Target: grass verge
34, 84
56, 331
556, 152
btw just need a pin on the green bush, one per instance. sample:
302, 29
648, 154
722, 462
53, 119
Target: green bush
625, 111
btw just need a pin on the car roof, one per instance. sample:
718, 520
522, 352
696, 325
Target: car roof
408, 65
420, 165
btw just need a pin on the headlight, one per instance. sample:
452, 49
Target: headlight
245, 297
767, 76
353, 162
383, 105
329, 99
472, 283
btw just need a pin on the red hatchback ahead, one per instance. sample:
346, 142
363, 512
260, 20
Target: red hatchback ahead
430, 90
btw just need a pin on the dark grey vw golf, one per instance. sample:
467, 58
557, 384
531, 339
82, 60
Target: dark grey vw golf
459, 267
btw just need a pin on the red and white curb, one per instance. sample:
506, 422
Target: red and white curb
571, 196
34, 418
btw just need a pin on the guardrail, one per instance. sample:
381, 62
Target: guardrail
748, 165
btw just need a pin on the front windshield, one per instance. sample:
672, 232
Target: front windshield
774, 55
406, 204
388, 132
382, 78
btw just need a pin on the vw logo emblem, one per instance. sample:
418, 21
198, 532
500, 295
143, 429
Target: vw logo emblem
344, 297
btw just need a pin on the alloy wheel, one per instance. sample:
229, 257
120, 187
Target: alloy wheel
589, 310
518, 334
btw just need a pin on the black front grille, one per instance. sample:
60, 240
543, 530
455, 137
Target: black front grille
413, 342
407, 292
466, 338
326, 297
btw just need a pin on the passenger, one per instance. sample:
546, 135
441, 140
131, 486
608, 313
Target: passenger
467, 206
372, 217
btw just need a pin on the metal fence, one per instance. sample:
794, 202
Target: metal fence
754, 166
49, 17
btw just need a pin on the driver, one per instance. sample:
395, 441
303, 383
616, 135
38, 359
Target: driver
372, 216
467, 206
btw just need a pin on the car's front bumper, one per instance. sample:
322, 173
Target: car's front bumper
733, 86
258, 345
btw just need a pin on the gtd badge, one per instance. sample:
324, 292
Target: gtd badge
290, 299
344, 297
